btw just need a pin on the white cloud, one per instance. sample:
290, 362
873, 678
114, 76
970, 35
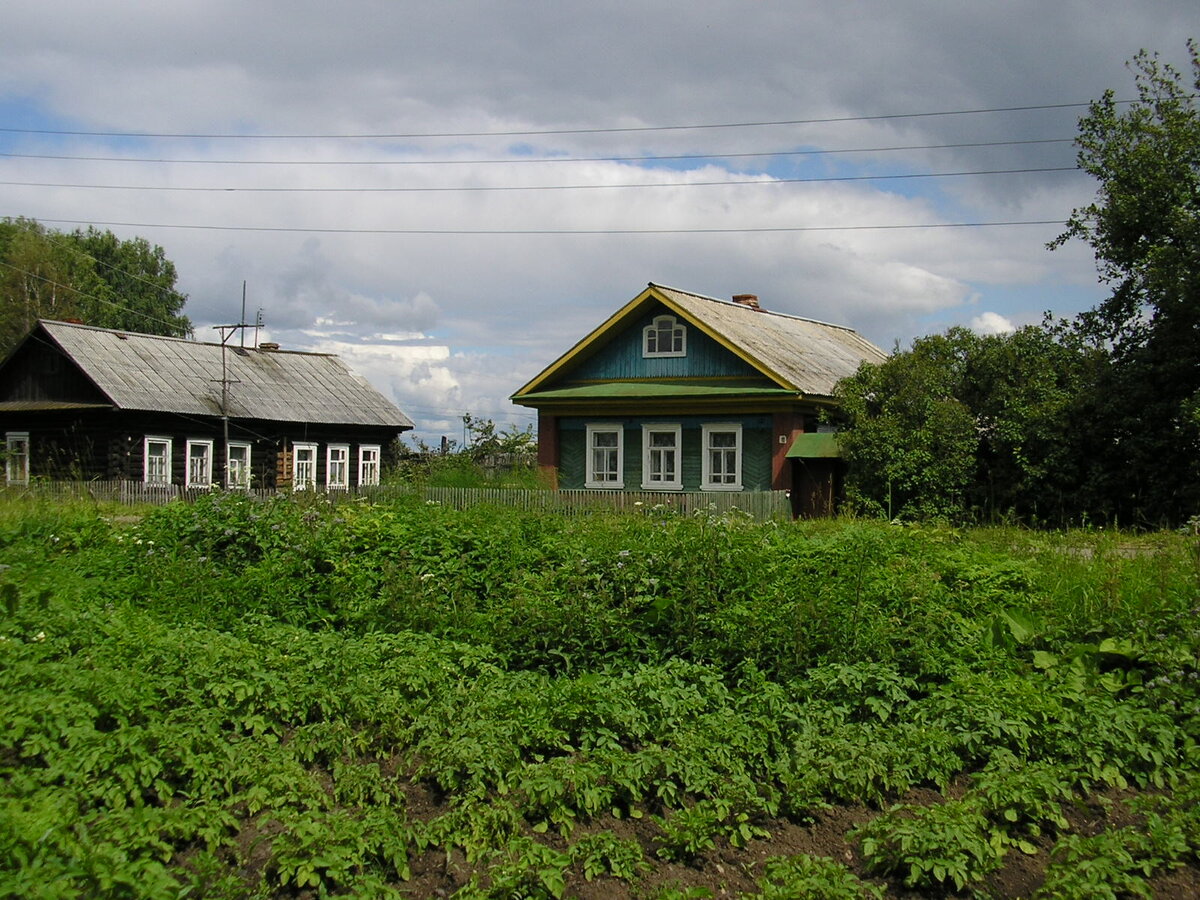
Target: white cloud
452, 323
992, 323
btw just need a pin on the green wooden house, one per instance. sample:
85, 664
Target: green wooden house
681, 392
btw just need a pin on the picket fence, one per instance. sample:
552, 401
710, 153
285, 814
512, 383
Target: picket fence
760, 505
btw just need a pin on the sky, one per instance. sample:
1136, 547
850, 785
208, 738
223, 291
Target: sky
450, 195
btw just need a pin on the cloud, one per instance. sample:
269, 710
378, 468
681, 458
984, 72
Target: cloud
360, 244
992, 323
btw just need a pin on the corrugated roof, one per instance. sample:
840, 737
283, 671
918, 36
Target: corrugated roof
803, 356
807, 355
149, 372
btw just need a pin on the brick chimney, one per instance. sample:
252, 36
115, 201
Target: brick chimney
750, 300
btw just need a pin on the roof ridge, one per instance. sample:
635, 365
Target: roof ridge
759, 310
172, 337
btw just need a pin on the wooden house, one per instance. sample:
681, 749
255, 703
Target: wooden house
681, 392
90, 403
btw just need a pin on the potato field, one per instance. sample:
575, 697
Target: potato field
237, 698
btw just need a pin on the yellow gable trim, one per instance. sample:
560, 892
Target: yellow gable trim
629, 311
589, 341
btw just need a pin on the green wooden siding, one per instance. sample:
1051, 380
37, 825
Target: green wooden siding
757, 447
621, 358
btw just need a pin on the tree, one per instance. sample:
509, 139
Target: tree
969, 426
92, 276
1144, 228
909, 440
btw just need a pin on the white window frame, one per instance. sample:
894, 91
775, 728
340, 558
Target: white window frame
651, 332
205, 478
591, 479
16, 458
369, 464
337, 467
649, 482
706, 451
304, 483
239, 481
169, 447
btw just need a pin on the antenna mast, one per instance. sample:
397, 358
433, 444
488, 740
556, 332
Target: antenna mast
226, 332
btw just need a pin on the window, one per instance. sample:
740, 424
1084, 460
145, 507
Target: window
16, 462
722, 469
199, 464
238, 457
368, 464
664, 337
157, 457
337, 466
304, 466
660, 457
604, 462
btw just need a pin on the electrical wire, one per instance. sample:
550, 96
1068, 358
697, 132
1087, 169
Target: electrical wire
559, 231
534, 187
515, 160
634, 129
79, 293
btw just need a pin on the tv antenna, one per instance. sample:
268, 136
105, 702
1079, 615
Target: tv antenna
227, 332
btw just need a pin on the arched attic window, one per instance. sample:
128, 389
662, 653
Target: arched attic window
664, 337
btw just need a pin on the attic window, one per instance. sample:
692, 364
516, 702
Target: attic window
664, 337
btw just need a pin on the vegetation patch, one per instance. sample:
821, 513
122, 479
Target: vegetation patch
252, 699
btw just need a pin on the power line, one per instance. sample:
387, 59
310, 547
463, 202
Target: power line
70, 246
635, 129
532, 187
79, 293
535, 159
559, 231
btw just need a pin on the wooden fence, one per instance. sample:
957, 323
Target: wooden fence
761, 505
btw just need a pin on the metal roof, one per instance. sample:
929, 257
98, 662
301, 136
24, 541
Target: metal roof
807, 355
815, 445
800, 355
150, 372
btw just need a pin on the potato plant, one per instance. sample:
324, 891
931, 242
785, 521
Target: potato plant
245, 699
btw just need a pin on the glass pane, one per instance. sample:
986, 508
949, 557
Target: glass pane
604, 439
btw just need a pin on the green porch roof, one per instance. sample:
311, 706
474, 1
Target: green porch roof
624, 390
821, 445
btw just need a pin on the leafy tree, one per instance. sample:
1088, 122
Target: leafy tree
1144, 227
910, 441
92, 276
483, 441
964, 425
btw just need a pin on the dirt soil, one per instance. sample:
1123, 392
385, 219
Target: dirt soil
728, 871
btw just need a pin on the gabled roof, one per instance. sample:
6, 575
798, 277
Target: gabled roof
165, 374
800, 355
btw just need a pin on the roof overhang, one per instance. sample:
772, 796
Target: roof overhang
48, 405
816, 445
